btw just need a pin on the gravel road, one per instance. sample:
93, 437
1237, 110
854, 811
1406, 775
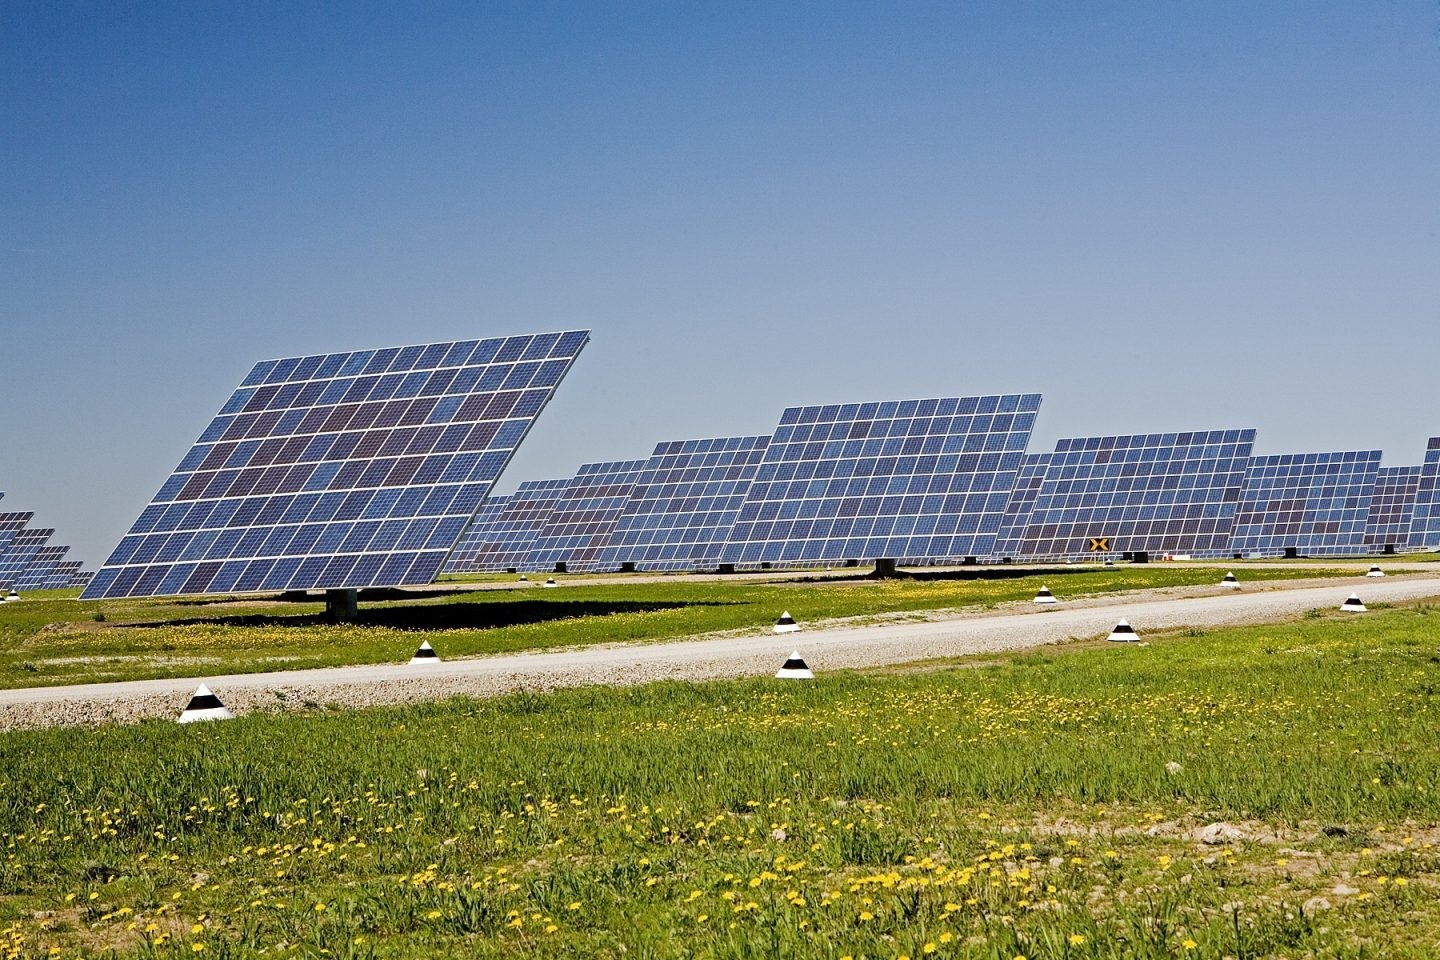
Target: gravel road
900, 641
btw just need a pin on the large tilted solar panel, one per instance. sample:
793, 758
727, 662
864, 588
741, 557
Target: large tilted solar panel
505, 542
1153, 493
1022, 501
348, 470
1392, 508
585, 515
1312, 503
684, 504
38, 570
1425, 526
916, 481
477, 533
20, 552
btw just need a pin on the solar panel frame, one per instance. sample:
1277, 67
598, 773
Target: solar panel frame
585, 515
341, 471
1139, 493
916, 481
1315, 504
684, 504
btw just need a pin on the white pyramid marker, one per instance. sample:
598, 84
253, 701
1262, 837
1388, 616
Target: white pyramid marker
1045, 596
1375, 571
786, 624
12, 596
524, 579
795, 668
1230, 582
550, 582
1352, 604
204, 705
425, 655
1123, 633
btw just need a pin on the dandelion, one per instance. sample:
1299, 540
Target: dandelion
1076, 939
1189, 944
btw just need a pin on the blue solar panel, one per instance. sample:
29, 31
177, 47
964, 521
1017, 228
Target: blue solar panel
505, 542
475, 535
915, 481
684, 504
1392, 508
1425, 527
1313, 503
62, 576
21, 552
348, 470
1022, 501
580, 525
1152, 493
38, 570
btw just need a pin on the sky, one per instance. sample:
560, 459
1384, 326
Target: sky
1161, 216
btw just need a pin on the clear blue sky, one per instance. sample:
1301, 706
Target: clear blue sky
1160, 215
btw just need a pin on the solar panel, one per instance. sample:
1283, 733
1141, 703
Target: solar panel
1392, 508
585, 515
505, 543
684, 504
1022, 501
10, 524
1425, 526
21, 551
340, 471
82, 579
38, 570
1311, 503
62, 576
477, 533
1152, 493
912, 480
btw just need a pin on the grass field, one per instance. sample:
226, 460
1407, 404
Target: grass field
1049, 805
53, 639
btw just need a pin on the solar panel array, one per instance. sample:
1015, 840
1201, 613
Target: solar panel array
684, 503
342, 470
1021, 503
1311, 503
912, 480
1153, 493
1425, 526
477, 533
505, 542
64, 575
583, 518
20, 553
1392, 508
38, 570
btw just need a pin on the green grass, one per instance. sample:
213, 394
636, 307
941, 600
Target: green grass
1042, 806
57, 640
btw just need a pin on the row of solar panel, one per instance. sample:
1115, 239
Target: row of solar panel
1197, 493
29, 562
363, 469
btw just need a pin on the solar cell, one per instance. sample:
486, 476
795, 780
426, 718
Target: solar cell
1392, 508
914, 481
505, 542
1309, 503
1425, 525
585, 515
1022, 501
340, 471
1151, 493
684, 504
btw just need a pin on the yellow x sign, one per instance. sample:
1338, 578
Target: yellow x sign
1099, 544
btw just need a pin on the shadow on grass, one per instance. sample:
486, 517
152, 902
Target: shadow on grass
439, 617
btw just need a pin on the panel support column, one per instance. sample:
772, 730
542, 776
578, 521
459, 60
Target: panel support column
342, 604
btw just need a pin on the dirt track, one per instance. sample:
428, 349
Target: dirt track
704, 658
